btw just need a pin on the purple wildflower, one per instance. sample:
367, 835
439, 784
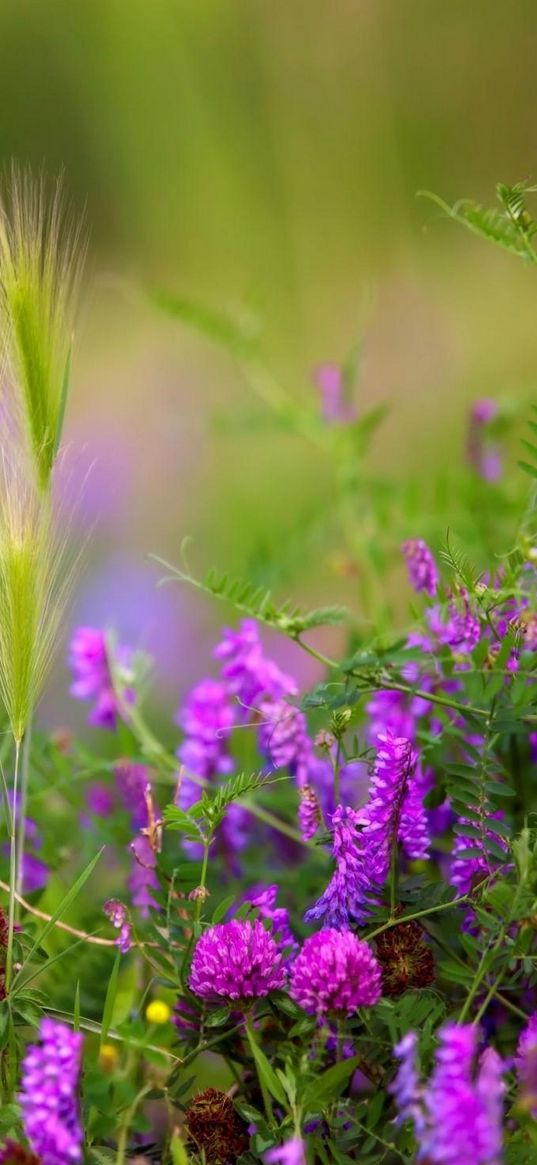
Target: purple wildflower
338, 903
526, 1065
237, 960
482, 453
330, 382
393, 811
335, 973
464, 1114
309, 812
458, 1115
460, 628
405, 1087
381, 816
48, 1098
283, 737
421, 566
248, 674
414, 824
292, 1152
263, 899
92, 677
117, 912
207, 718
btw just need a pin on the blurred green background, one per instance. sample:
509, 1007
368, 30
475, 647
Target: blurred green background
241, 151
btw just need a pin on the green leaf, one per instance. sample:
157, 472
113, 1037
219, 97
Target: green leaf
265, 1070
237, 336
176, 818
64, 905
108, 1009
326, 1087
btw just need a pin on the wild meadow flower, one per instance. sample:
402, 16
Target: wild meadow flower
96, 663
41, 257
330, 380
309, 812
248, 673
457, 1116
363, 839
335, 973
471, 860
284, 739
421, 566
263, 900
118, 914
237, 960
526, 1066
482, 453
207, 718
49, 1094
292, 1152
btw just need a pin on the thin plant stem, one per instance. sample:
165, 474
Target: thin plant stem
12, 872
424, 913
264, 1092
203, 879
25, 778
126, 1124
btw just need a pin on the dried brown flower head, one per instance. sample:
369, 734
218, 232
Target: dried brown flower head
405, 957
215, 1127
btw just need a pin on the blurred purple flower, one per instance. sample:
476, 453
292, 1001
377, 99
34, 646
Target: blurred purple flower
526, 1065
483, 454
292, 1152
248, 673
421, 566
283, 738
329, 379
92, 679
48, 1097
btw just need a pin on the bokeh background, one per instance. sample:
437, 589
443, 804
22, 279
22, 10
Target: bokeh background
267, 154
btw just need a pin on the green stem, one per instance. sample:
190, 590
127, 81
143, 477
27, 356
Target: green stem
424, 913
12, 873
264, 1092
480, 974
25, 778
126, 1124
203, 879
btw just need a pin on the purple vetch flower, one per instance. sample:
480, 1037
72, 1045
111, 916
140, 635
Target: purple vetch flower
309, 812
363, 858
48, 1097
464, 1113
248, 674
405, 1087
283, 737
292, 1152
483, 454
457, 1116
263, 899
381, 816
421, 566
459, 628
117, 912
413, 830
92, 677
330, 381
207, 719
237, 960
337, 905
335, 973
526, 1065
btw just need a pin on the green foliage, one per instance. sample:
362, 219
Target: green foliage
510, 227
255, 602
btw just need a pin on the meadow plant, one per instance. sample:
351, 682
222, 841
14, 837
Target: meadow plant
297, 926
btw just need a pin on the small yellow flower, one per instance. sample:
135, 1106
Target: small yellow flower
108, 1057
158, 1012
